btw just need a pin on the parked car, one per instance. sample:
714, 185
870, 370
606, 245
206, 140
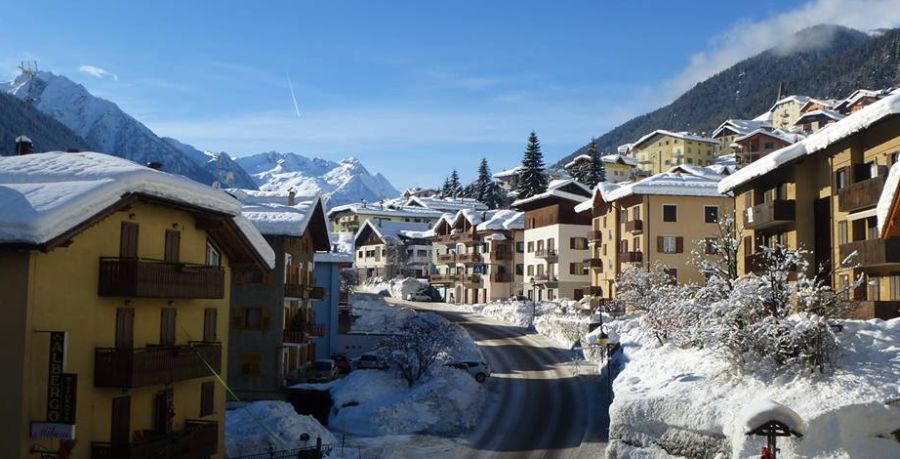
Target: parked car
323, 370
420, 296
342, 362
479, 370
369, 361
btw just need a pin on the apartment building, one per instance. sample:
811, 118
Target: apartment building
387, 249
619, 168
555, 242
659, 150
476, 262
273, 323
821, 195
787, 110
760, 142
660, 219
859, 99
350, 218
812, 121
731, 129
115, 280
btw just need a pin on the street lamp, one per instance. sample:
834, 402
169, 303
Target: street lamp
533, 304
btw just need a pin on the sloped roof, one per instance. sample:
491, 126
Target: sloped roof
741, 127
826, 113
776, 134
677, 181
271, 215
385, 210
677, 135
46, 196
445, 204
888, 201
556, 188
820, 140
392, 231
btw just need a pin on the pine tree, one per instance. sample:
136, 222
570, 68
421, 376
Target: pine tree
485, 189
445, 189
596, 168
455, 187
532, 177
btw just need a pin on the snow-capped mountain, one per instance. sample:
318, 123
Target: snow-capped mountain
339, 183
101, 123
223, 168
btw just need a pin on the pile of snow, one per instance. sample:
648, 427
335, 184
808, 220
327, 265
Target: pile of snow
342, 242
397, 288
373, 314
559, 321
689, 402
259, 427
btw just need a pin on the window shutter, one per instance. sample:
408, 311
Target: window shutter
173, 246
679, 244
207, 398
266, 318
237, 318
659, 244
167, 327
128, 240
210, 316
124, 328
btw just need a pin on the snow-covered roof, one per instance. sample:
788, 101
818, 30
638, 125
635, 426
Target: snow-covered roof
333, 257
271, 214
802, 100
828, 103
759, 412
393, 231
44, 196
508, 172
503, 219
741, 127
624, 148
678, 181
826, 113
677, 135
889, 195
618, 158
859, 94
385, 210
445, 204
576, 159
817, 141
23, 138
776, 134
602, 189
554, 189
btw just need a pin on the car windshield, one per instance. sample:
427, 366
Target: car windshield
323, 365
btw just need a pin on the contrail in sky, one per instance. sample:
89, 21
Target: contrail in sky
293, 97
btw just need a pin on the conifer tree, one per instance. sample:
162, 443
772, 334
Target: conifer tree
485, 189
596, 168
532, 176
455, 187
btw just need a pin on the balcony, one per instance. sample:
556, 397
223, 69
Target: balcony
150, 366
873, 253
595, 235
198, 440
501, 277
303, 333
443, 278
467, 258
546, 279
877, 309
595, 263
631, 257
769, 214
595, 290
292, 290
445, 238
500, 256
634, 226
545, 253
143, 278
861, 195
757, 263
468, 237
446, 258
471, 280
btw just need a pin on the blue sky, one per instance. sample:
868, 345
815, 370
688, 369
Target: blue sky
412, 88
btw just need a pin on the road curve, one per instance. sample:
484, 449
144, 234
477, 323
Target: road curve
540, 406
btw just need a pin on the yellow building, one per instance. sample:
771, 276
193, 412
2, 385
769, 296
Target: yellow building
619, 167
661, 219
660, 150
114, 278
787, 110
822, 195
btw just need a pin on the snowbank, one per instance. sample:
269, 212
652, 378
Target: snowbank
397, 288
688, 402
556, 320
373, 314
259, 426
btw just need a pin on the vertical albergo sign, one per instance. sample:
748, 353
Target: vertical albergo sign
55, 392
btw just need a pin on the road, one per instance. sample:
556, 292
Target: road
541, 404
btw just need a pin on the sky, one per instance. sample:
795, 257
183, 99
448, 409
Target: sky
411, 88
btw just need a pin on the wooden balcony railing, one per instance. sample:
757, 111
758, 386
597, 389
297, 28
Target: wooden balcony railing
472, 280
548, 279
304, 333
445, 238
631, 257
443, 278
861, 195
197, 440
769, 214
469, 258
595, 235
129, 368
757, 263
634, 226
446, 258
501, 277
144, 278
468, 237
872, 253
596, 263
292, 290
546, 253
500, 256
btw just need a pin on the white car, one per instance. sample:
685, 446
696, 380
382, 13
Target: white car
417, 297
479, 370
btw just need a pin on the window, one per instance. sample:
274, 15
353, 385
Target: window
213, 257
520, 268
167, 327
253, 318
520, 247
669, 244
422, 253
873, 288
636, 213
576, 269
843, 232
840, 179
173, 246
210, 319
551, 244
670, 212
769, 145
540, 245
207, 398
895, 157
530, 246
711, 214
748, 199
844, 282
623, 215
530, 270
359, 254
578, 243
709, 246
895, 286
673, 275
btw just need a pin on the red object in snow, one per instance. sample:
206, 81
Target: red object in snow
765, 453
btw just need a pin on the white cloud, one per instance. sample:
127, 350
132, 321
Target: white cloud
97, 72
748, 38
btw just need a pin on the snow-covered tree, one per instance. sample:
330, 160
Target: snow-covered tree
665, 307
423, 340
598, 169
485, 189
532, 178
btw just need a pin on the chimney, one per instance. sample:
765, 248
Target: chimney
24, 146
363, 203
292, 197
155, 165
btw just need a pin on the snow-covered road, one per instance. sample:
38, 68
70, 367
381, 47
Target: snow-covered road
541, 404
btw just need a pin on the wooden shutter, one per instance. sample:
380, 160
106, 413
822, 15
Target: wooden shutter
679, 244
128, 240
163, 410
207, 398
238, 318
173, 246
660, 244
120, 421
124, 328
210, 319
167, 327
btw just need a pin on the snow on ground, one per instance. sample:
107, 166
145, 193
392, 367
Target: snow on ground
373, 314
688, 402
558, 321
397, 288
256, 427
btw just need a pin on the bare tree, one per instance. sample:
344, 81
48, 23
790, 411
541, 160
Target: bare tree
422, 340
